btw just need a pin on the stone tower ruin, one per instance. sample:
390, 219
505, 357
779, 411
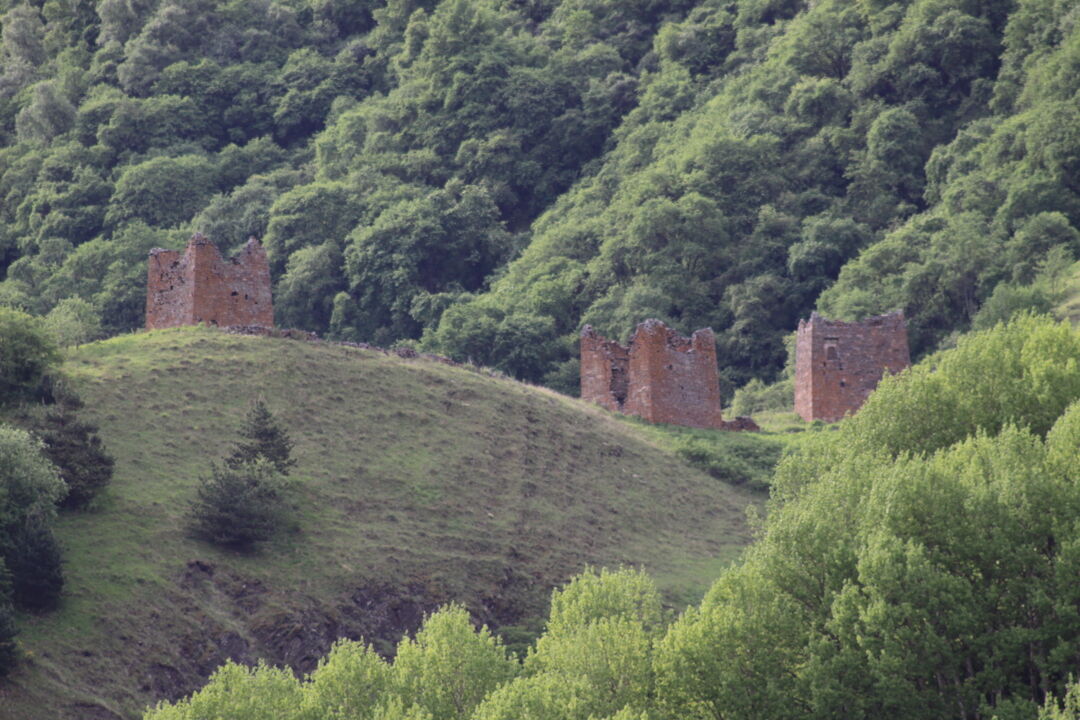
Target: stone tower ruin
199, 285
838, 364
659, 376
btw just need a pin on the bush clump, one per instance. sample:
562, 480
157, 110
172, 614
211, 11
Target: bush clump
9, 647
756, 397
238, 506
27, 352
737, 459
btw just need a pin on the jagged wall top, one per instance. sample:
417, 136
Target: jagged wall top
660, 375
199, 285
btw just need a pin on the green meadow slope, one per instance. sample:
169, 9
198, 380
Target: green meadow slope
418, 483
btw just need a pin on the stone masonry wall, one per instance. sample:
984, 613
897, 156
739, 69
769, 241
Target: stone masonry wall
838, 364
169, 298
199, 285
661, 376
605, 368
674, 379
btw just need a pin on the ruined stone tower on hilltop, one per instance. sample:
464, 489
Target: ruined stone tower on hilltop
838, 364
659, 376
199, 285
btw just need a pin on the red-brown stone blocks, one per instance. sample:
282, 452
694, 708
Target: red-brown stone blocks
201, 286
838, 364
660, 376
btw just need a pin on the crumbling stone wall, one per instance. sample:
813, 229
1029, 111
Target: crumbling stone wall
605, 370
199, 285
674, 379
838, 364
660, 376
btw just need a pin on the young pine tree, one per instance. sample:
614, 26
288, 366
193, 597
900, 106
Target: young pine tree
69, 443
239, 505
76, 450
263, 438
33, 556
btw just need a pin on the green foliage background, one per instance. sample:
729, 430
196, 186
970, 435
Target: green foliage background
483, 176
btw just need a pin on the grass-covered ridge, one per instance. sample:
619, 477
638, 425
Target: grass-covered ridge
419, 483
917, 563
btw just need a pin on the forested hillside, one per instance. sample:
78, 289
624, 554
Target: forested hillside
448, 128
927, 148
483, 176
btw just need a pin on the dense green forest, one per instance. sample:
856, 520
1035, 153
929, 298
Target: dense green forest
918, 563
483, 176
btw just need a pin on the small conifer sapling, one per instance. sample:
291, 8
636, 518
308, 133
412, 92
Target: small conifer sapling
262, 437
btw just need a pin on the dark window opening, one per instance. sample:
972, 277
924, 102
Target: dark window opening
620, 383
831, 352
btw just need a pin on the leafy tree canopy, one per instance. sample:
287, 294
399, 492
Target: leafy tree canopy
484, 176
27, 352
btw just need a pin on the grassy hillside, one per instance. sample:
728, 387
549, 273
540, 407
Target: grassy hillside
418, 483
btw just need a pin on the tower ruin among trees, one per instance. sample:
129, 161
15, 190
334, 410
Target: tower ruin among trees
838, 364
659, 376
199, 285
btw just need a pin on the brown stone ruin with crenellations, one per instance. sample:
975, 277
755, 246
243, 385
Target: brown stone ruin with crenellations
838, 364
659, 376
201, 286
